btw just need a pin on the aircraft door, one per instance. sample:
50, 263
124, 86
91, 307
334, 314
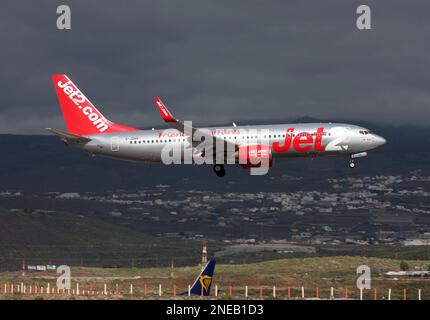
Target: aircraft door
114, 144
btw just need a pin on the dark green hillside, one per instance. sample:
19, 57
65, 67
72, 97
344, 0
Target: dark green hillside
65, 238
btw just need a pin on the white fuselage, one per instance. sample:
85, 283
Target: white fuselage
285, 140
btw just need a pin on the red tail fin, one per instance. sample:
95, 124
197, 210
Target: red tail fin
80, 115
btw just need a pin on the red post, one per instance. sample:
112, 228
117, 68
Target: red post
261, 293
174, 290
204, 254
145, 290
318, 293
230, 289
375, 294
404, 294
289, 293
346, 293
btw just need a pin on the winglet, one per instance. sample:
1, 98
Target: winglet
165, 114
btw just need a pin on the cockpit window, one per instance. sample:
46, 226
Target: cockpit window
364, 132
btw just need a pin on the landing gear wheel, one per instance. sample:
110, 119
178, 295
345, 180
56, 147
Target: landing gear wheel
352, 164
219, 170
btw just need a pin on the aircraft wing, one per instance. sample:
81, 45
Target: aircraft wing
70, 137
183, 127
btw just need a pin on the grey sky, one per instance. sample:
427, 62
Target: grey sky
217, 61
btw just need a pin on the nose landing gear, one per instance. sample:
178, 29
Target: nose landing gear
219, 170
355, 156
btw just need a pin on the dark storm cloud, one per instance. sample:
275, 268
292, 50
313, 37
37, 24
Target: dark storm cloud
217, 61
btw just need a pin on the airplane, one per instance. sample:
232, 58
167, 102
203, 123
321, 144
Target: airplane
252, 146
202, 284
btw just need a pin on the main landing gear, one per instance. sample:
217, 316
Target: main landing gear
219, 170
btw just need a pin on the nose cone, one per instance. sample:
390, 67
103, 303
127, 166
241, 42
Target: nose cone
378, 140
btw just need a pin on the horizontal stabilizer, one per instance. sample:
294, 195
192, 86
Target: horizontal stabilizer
68, 136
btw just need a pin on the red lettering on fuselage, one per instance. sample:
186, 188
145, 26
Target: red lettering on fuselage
302, 142
303, 145
319, 134
287, 143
